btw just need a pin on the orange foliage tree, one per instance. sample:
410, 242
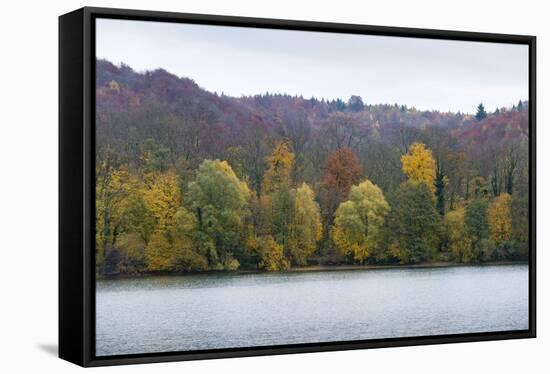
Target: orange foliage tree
342, 170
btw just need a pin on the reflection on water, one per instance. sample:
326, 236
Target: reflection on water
178, 313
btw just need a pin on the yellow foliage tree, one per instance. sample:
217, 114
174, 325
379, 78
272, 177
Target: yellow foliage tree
458, 240
418, 165
159, 253
279, 167
358, 221
306, 228
113, 186
114, 85
264, 216
499, 217
184, 256
272, 257
161, 194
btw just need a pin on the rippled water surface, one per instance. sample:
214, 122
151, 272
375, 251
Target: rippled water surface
175, 313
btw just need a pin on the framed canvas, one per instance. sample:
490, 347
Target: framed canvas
236, 186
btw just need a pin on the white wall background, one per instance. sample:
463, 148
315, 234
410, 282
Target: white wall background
28, 184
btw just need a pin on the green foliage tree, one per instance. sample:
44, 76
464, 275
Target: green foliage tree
415, 223
477, 227
358, 221
220, 202
282, 211
476, 219
439, 183
154, 156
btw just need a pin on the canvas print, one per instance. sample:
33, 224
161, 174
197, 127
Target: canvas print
262, 187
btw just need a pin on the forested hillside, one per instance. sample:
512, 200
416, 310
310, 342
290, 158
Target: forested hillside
189, 180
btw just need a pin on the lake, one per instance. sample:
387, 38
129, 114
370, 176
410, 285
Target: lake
206, 311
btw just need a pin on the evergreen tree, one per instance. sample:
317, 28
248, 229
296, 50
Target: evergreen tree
481, 113
355, 103
520, 106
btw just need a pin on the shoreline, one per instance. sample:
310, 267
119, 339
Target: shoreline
316, 268
319, 268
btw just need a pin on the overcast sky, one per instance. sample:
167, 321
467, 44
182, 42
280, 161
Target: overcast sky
426, 74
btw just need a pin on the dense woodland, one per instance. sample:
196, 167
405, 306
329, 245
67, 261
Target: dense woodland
189, 180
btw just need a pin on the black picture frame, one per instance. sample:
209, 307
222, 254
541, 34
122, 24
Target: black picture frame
76, 184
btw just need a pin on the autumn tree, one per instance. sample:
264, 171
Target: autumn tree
135, 215
458, 241
358, 221
279, 167
270, 254
276, 200
306, 228
132, 253
296, 127
520, 217
415, 223
183, 236
342, 130
158, 253
113, 186
499, 218
161, 207
114, 86
261, 217
162, 197
219, 201
342, 171
383, 164
419, 165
